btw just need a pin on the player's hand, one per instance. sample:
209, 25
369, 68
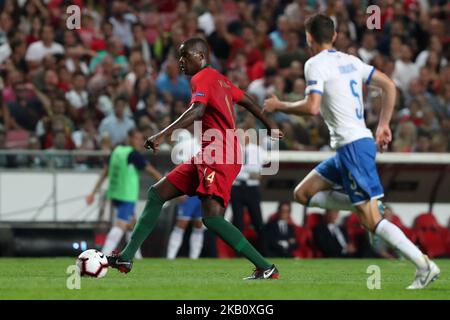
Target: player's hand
383, 137
272, 104
90, 199
154, 142
276, 134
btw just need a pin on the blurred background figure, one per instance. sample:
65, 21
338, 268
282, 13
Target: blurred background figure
331, 238
122, 170
280, 233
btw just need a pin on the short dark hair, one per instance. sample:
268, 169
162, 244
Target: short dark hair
197, 44
321, 28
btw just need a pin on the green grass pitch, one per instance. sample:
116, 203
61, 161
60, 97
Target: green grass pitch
45, 278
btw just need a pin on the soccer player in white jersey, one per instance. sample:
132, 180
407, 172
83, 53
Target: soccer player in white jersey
334, 89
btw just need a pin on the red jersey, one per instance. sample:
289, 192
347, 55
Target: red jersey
212, 173
219, 95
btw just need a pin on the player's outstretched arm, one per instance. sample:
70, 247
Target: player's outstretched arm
248, 103
383, 133
308, 106
195, 112
98, 184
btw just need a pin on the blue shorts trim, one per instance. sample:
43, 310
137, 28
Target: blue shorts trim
125, 210
354, 168
191, 209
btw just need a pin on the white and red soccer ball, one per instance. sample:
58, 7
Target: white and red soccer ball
92, 263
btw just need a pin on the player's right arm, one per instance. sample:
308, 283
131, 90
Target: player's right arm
195, 112
98, 184
383, 134
310, 105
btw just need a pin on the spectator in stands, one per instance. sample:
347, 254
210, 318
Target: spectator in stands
292, 52
122, 22
120, 49
331, 239
405, 137
368, 49
25, 111
46, 45
261, 88
278, 36
140, 42
405, 69
117, 125
280, 233
172, 82
78, 97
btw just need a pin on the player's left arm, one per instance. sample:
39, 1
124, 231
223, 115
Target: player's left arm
248, 103
383, 133
195, 112
308, 106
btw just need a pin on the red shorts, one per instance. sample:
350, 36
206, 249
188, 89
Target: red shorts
205, 179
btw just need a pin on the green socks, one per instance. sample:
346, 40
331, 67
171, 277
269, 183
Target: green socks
234, 238
144, 225
225, 230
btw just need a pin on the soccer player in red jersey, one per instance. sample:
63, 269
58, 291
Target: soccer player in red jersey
213, 98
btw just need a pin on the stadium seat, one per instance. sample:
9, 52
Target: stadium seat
447, 240
430, 236
355, 231
312, 220
223, 250
308, 248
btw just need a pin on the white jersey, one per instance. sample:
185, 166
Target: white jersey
339, 78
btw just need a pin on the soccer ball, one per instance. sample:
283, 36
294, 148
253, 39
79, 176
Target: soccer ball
92, 263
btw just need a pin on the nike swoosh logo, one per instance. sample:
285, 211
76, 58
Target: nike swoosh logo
268, 273
102, 255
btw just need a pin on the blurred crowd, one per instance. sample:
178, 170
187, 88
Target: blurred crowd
84, 88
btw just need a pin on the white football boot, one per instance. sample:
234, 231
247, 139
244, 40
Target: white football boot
423, 278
